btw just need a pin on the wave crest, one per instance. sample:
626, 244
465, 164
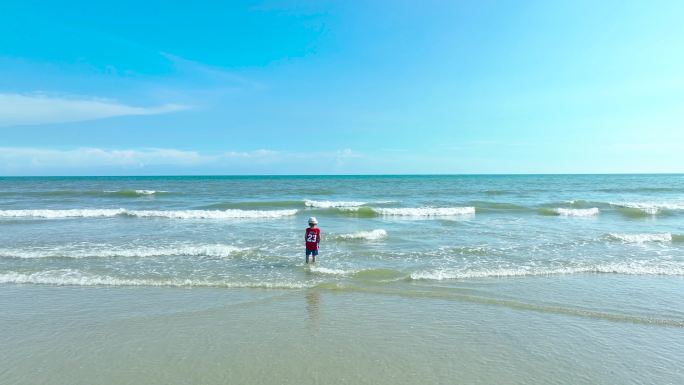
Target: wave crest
329, 271
332, 204
69, 277
648, 208
608, 268
426, 211
642, 238
134, 193
172, 214
106, 251
371, 235
564, 212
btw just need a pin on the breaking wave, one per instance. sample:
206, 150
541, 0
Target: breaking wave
646, 237
134, 193
370, 212
69, 277
292, 204
627, 209
95, 193
426, 211
253, 205
105, 251
372, 235
332, 204
646, 208
625, 268
560, 211
329, 271
69, 213
173, 214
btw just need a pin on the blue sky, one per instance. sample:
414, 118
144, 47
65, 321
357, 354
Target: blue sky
121, 88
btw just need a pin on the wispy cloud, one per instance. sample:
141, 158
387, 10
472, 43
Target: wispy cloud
27, 109
203, 75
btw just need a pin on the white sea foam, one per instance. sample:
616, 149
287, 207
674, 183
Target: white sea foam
69, 277
108, 251
426, 211
642, 238
135, 192
173, 214
577, 212
332, 204
68, 213
212, 214
367, 235
148, 192
330, 271
651, 208
625, 268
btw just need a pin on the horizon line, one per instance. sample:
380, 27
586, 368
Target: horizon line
339, 175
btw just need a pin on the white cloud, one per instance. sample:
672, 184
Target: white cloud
89, 160
256, 154
25, 109
18, 159
343, 156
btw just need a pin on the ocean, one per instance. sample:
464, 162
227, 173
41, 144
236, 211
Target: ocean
492, 279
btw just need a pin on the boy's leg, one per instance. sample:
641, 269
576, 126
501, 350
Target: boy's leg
307, 256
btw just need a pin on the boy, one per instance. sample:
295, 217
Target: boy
312, 238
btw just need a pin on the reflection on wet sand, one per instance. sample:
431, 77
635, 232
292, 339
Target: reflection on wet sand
313, 305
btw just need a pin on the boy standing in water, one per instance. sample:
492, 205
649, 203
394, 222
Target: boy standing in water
312, 238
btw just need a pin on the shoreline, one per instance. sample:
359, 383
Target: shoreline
158, 335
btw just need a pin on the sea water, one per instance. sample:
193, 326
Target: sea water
437, 279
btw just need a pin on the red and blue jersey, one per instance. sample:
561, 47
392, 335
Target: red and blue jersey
313, 237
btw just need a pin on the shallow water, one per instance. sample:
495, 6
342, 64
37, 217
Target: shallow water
452, 279
107, 335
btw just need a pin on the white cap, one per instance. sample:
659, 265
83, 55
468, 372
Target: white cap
313, 220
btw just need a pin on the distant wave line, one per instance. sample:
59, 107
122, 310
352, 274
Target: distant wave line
172, 214
132, 193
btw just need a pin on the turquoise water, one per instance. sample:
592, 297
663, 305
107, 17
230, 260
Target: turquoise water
247, 231
483, 277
